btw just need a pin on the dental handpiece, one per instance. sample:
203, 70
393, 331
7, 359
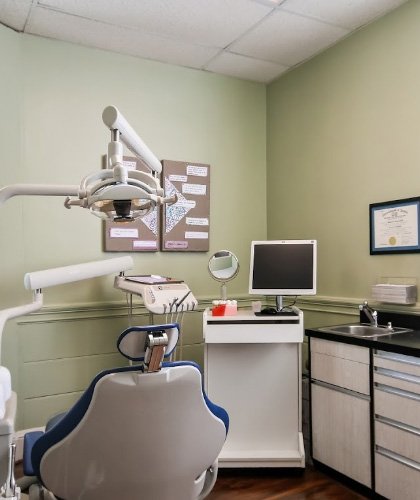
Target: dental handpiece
183, 298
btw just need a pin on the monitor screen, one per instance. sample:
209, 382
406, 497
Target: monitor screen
284, 267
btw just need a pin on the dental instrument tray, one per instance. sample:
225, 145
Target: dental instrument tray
160, 295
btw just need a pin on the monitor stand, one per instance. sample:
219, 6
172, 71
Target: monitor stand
278, 310
279, 302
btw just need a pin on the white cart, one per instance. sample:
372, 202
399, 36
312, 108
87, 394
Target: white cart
252, 368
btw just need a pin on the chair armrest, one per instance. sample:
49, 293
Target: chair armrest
29, 440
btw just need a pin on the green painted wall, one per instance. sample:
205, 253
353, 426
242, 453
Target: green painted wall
11, 157
302, 158
343, 132
54, 94
181, 114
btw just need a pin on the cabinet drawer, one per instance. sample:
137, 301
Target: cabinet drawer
397, 405
396, 480
404, 442
397, 362
340, 350
342, 372
398, 380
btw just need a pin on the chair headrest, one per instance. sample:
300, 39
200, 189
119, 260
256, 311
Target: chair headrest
132, 341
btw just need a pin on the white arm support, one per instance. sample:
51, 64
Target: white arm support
37, 190
14, 312
77, 272
114, 120
59, 276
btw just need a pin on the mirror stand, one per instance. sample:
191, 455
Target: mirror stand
223, 267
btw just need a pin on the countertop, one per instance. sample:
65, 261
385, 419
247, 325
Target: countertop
402, 343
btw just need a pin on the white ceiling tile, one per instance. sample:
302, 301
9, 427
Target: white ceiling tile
287, 38
13, 13
346, 13
245, 67
213, 23
90, 33
271, 3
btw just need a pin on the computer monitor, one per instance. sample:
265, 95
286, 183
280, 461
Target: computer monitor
283, 267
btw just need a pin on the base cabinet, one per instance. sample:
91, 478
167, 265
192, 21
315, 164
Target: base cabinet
340, 408
365, 416
397, 425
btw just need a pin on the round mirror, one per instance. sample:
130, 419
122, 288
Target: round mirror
223, 266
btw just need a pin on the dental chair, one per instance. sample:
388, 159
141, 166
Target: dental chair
145, 431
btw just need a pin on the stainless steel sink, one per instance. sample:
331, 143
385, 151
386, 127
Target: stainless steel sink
364, 330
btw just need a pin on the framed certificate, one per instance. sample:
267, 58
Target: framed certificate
394, 226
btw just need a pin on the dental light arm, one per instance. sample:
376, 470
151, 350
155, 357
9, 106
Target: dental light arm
115, 193
114, 120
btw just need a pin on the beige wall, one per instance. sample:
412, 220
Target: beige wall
54, 94
343, 132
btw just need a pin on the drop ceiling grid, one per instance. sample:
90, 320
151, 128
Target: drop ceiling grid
56, 25
214, 23
251, 39
345, 13
245, 67
287, 38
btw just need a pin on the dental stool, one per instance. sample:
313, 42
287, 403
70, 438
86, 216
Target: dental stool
142, 432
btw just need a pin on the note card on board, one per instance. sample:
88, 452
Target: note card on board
186, 223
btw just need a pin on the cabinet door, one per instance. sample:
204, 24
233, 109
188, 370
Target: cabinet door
341, 431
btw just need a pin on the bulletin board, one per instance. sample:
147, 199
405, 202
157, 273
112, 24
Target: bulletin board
141, 235
186, 223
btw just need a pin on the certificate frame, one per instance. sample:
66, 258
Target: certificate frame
394, 226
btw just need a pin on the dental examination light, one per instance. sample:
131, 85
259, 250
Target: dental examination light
115, 193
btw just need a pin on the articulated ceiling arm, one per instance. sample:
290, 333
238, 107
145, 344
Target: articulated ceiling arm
114, 193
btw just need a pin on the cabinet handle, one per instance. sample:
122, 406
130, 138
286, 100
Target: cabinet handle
398, 458
397, 392
337, 388
400, 358
397, 425
398, 375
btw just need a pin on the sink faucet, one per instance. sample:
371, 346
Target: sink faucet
370, 313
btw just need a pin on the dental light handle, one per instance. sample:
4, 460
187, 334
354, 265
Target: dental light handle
36, 190
68, 274
114, 120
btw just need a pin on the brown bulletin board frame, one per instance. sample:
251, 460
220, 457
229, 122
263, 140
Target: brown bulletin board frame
141, 235
186, 224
